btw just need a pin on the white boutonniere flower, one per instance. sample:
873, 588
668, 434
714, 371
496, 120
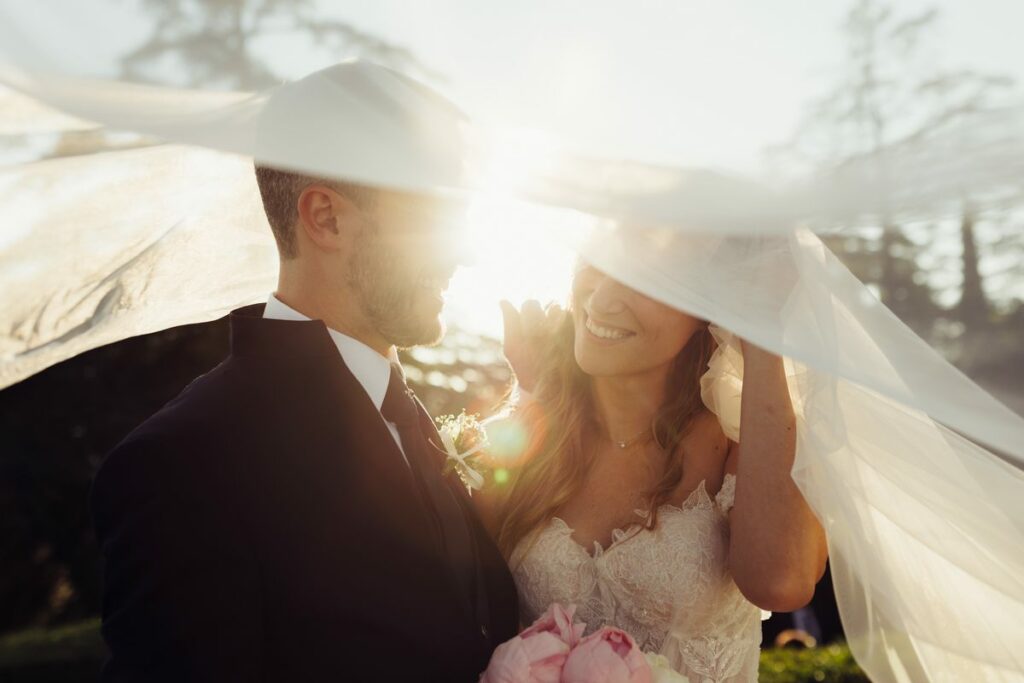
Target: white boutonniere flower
464, 440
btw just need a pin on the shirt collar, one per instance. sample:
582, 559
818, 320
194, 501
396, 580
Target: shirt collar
371, 370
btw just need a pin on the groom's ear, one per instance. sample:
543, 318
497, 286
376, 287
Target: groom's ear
326, 218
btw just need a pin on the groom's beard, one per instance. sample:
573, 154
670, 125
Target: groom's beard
391, 293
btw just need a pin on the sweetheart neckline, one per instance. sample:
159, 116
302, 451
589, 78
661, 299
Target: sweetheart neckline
619, 533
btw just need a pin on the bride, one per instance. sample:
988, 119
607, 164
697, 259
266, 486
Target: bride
631, 502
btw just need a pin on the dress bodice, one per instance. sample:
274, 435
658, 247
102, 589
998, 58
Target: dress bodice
669, 587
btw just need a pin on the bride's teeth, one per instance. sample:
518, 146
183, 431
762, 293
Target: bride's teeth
604, 332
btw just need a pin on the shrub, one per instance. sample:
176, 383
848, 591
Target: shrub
828, 664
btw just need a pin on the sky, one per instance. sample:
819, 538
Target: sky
686, 82
681, 82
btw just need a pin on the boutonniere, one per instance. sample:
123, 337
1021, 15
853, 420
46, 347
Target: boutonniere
464, 440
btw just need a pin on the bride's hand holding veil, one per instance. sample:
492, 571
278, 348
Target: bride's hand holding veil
777, 548
526, 333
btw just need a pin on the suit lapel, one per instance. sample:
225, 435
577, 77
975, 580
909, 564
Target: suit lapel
350, 437
301, 356
481, 607
365, 440
379, 450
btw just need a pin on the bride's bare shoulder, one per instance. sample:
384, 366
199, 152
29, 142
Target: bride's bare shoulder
705, 452
706, 435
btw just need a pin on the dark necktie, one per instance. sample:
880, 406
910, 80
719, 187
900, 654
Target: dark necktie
401, 408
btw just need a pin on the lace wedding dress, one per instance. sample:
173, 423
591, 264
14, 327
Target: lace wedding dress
668, 587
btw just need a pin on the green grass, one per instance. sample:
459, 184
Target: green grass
67, 654
830, 663
73, 654
74, 642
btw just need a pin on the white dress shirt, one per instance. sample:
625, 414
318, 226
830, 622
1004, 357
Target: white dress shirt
371, 370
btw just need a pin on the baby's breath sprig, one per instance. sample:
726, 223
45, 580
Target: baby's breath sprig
464, 439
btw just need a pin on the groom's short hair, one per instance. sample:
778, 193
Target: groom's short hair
356, 119
280, 190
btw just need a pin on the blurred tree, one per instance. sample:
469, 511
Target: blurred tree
215, 41
892, 102
973, 307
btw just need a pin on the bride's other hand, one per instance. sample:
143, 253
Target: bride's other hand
777, 548
526, 333
753, 352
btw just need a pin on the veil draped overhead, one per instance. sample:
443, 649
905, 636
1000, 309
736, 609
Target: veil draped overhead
925, 525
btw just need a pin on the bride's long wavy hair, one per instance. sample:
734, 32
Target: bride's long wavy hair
556, 459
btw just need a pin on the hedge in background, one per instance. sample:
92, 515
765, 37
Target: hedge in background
830, 663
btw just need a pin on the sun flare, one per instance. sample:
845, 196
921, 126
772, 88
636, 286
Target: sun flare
519, 249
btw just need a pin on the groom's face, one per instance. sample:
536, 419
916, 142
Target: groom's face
402, 260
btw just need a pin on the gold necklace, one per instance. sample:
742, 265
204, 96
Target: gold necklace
631, 441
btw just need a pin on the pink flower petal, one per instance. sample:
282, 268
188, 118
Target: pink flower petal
557, 619
538, 658
509, 663
609, 655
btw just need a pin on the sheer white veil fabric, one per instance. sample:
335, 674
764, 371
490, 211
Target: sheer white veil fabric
925, 526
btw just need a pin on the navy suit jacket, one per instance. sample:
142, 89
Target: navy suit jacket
264, 526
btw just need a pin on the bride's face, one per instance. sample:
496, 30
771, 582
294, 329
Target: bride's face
622, 332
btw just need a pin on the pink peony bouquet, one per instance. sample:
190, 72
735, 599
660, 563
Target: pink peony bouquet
554, 650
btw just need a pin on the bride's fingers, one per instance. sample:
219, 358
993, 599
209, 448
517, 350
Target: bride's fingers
533, 318
512, 322
553, 316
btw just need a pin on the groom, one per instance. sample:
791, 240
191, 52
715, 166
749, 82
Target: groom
285, 518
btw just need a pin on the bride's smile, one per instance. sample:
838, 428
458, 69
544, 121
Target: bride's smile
605, 333
622, 332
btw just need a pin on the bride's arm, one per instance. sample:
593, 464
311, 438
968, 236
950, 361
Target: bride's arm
777, 548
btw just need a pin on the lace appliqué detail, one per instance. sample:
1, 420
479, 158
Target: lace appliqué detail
715, 659
669, 587
726, 496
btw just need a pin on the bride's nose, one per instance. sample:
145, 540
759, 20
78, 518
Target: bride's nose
606, 298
